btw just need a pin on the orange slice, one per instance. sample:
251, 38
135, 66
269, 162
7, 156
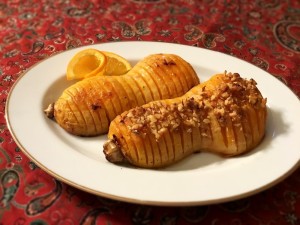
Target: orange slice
116, 64
86, 63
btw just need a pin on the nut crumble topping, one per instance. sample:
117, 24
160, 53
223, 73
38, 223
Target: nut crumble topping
225, 101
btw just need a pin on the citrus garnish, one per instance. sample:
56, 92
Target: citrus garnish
92, 62
116, 64
86, 63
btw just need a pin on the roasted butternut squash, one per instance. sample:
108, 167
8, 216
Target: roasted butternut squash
87, 107
225, 115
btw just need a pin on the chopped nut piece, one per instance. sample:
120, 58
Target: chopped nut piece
206, 120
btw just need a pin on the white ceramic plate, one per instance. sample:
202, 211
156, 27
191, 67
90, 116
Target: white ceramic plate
200, 179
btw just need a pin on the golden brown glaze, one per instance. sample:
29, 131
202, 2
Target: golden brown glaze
224, 115
87, 107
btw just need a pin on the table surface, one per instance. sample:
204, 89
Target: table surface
264, 33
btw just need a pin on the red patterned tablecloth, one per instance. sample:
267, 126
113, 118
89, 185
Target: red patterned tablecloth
265, 33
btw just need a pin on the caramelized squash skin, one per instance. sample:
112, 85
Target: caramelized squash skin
225, 115
87, 107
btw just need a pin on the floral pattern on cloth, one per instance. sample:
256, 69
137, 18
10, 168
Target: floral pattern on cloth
264, 33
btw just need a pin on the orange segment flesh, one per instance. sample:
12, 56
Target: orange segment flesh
86, 63
116, 64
